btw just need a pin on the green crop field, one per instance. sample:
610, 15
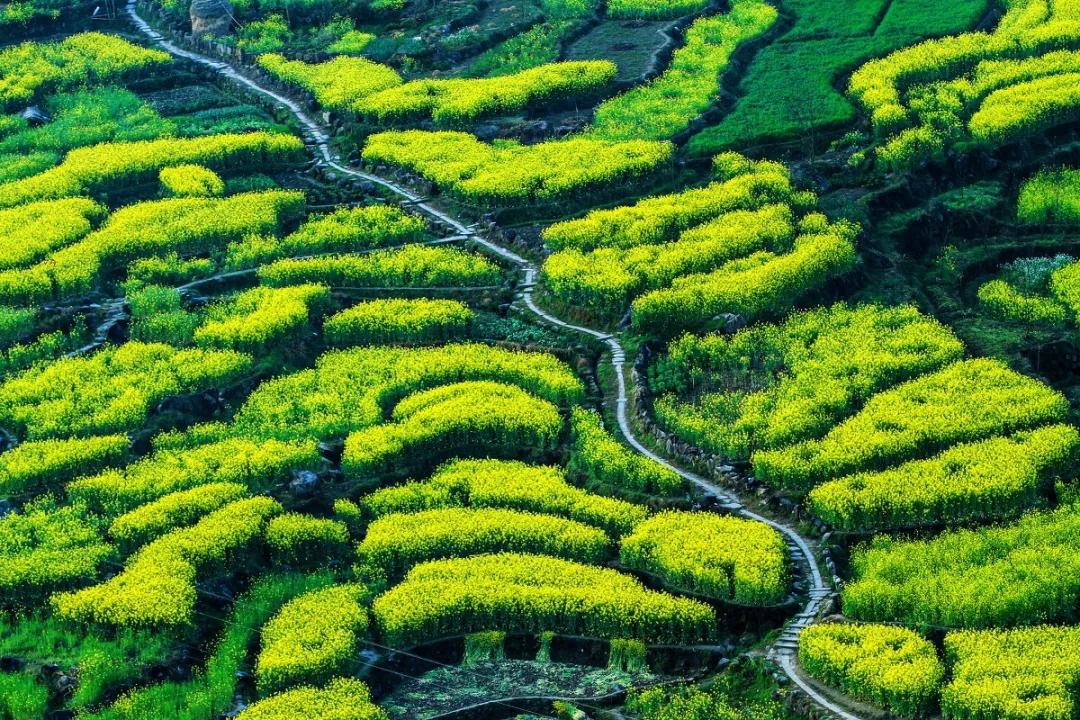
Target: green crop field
539, 359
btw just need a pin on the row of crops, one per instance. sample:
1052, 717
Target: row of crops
973, 90
203, 469
747, 243
628, 139
378, 94
960, 468
994, 673
875, 418
981, 89
997, 599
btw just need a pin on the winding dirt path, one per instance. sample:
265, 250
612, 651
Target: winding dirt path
783, 649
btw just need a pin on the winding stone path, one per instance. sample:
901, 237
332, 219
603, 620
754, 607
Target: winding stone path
783, 649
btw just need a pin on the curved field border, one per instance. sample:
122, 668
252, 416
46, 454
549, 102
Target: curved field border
784, 647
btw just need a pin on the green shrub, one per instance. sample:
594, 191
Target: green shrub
313, 638
261, 319
532, 593
398, 320
1026, 674
1007, 303
759, 284
690, 702
28, 233
605, 280
109, 167
891, 667
664, 107
510, 174
396, 542
191, 181
81, 118
505, 484
41, 464
805, 374
341, 699
350, 514
44, 348
470, 417
46, 548
1065, 285
338, 83
86, 57
410, 266
257, 465
166, 269
662, 218
1026, 109
460, 102
1019, 574
111, 390
650, 9
1051, 196
352, 389
158, 315
177, 509
967, 401
602, 460
342, 231
306, 541
157, 586
148, 228
988, 479
977, 88
15, 323
536, 46
737, 560
628, 656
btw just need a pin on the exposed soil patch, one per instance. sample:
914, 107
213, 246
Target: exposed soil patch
631, 45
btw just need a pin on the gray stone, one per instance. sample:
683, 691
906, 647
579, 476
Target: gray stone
486, 132
10, 663
34, 115
731, 322
210, 17
304, 483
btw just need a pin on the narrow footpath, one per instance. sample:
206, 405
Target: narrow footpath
783, 649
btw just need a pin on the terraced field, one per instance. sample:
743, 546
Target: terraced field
553, 359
